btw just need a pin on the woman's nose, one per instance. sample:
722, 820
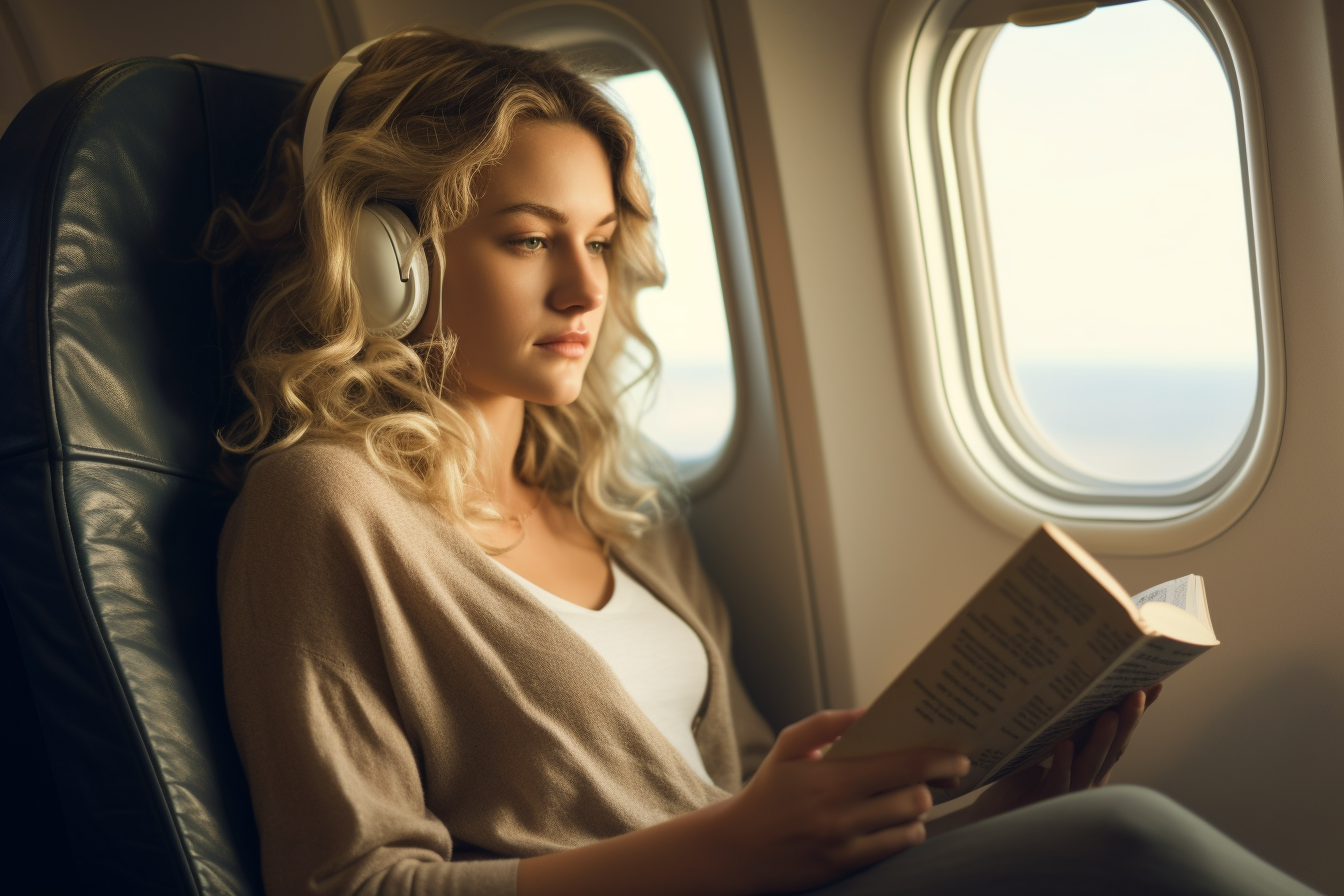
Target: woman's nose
581, 282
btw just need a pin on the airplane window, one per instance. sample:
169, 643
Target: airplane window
1111, 174
690, 413
1091, 310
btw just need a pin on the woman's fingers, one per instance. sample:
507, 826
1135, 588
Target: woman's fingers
1087, 765
877, 774
1081, 761
1130, 713
896, 807
805, 739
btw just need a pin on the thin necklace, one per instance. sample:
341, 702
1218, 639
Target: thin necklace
521, 520
524, 517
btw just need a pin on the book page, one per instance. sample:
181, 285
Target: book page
1185, 593
1016, 656
1174, 592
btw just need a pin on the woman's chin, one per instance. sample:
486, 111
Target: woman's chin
556, 395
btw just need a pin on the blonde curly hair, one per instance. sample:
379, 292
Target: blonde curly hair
426, 114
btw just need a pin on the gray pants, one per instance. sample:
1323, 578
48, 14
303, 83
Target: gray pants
1111, 841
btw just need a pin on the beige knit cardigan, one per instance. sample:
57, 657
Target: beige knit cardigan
397, 699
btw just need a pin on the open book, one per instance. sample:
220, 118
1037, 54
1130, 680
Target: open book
1051, 642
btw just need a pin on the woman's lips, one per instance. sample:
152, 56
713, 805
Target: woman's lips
567, 345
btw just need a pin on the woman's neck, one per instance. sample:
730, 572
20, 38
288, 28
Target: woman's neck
503, 415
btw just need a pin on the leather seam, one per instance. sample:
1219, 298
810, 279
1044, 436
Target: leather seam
134, 461
108, 457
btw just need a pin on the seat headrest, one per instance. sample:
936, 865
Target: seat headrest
111, 177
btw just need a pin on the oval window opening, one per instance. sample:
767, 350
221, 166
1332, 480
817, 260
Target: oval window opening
690, 415
1110, 167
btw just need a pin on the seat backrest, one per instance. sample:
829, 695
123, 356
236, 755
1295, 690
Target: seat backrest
113, 377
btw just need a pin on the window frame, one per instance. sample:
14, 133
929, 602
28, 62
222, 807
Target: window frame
924, 81
588, 31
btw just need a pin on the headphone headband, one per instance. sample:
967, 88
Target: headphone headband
324, 101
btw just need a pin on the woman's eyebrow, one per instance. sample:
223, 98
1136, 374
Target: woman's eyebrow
547, 212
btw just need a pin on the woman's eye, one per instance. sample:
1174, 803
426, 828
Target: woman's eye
530, 243
598, 247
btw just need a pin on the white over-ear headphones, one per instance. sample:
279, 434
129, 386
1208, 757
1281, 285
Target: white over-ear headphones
390, 270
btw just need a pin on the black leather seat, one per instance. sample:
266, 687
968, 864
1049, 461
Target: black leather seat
114, 378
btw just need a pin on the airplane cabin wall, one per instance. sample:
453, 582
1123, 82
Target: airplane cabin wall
1250, 736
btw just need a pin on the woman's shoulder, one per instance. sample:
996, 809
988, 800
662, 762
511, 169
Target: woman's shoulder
317, 534
321, 496
314, 473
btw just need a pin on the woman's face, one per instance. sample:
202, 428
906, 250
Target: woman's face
525, 279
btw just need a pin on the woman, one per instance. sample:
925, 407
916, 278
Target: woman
460, 621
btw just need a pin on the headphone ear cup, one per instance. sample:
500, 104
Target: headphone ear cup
390, 271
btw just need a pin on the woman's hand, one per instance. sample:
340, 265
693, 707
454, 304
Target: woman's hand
804, 821
801, 822
1082, 761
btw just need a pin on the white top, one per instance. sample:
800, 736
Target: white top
654, 653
